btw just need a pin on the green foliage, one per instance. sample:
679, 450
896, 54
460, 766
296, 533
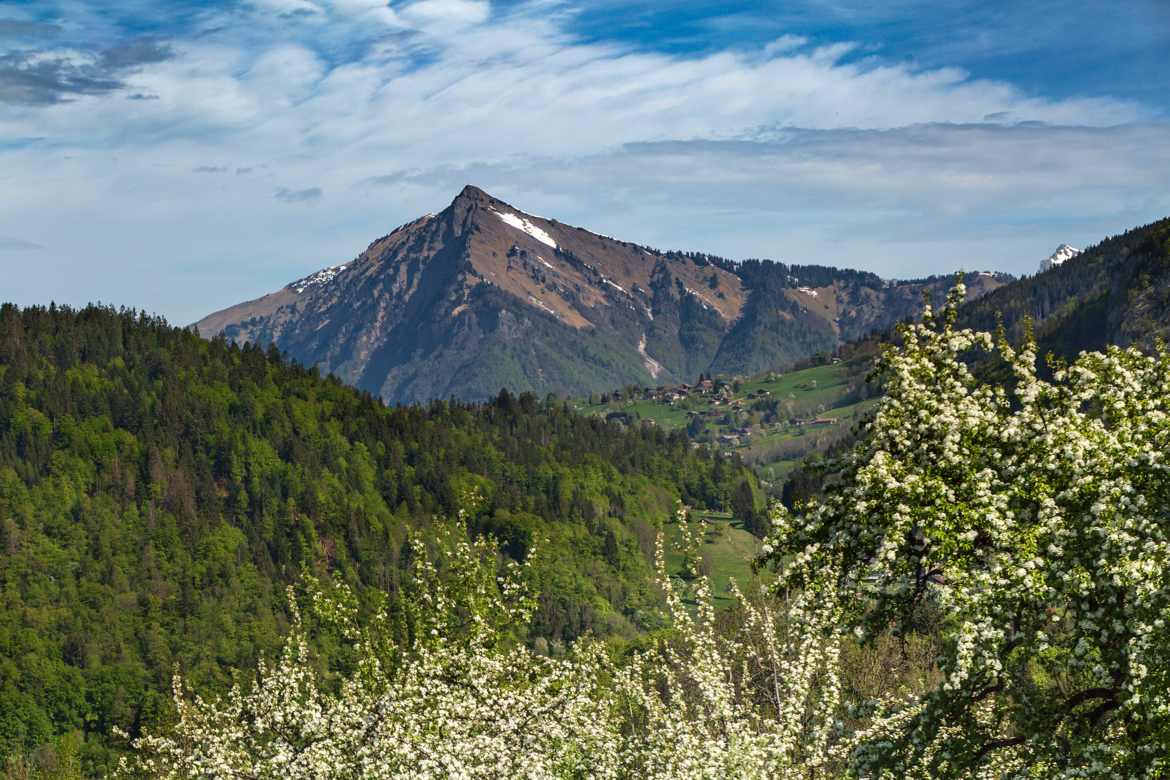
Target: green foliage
749, 505
158, 492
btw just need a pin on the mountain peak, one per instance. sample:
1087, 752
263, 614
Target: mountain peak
472, 193
1063, 252
472, 200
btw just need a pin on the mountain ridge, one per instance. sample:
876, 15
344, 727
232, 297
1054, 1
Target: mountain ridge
483, 295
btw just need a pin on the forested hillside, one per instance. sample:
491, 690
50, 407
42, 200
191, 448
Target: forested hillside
159, 491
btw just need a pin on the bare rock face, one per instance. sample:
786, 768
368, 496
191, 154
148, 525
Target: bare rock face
483, 296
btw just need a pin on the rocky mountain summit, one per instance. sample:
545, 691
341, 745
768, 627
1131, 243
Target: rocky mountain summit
482, 295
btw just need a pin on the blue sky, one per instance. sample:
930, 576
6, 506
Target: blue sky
182, 156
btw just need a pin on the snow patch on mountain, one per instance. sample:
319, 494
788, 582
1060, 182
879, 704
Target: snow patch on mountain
322, 277
520, 223
1063, 252
703, 299
543, 305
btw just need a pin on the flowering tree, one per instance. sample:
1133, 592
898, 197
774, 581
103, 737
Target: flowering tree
463, 700
1033, 523
457, 700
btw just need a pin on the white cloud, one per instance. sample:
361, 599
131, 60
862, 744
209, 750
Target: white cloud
784, 44
904, 202
287, 7
287, 72
373, 10
447, 13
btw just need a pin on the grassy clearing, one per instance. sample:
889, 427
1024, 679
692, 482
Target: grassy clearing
778, 470
727, 550
663, 415
816, 383
859, 408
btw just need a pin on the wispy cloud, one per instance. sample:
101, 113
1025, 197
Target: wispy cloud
307, 195
902, 202
8, 243
449, 14
785, 43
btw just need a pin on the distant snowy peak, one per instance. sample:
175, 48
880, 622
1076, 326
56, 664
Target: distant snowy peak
1062, 253
322, 277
